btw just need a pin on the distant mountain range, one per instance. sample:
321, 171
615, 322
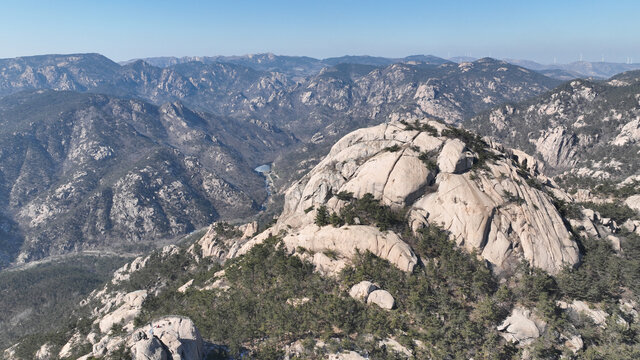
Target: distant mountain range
304, 66
585, 69
293, 66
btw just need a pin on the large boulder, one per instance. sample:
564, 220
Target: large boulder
633, 202
361, 290
574, 343
632, 226
149, 348
382, 298
521, 327
347, 240
454, 157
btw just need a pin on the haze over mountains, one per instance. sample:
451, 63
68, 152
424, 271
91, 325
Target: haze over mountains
300, 65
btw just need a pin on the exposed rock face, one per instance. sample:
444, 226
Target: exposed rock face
521, 326
633, 202
584, 128
180, 336
361, 290
630, 133
494, 211
66, 350
557, 148
481, 215
148, 349
349, 239
381, 298
130, 308
185, 287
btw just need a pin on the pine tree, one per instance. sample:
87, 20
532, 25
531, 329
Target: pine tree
322, 216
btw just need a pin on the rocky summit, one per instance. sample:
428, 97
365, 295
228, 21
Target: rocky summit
439, 176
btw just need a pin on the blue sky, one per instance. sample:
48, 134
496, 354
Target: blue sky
536, 30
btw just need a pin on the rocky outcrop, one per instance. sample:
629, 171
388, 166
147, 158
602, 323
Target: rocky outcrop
361, 290
124, 273
493, 211
557, 148
349, 239
171, 337
349, 355
45, 352
521, 327
579, 308
126, 313
178, 335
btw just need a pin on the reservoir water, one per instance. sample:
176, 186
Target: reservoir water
263, 168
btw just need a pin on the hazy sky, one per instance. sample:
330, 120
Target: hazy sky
537, 30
